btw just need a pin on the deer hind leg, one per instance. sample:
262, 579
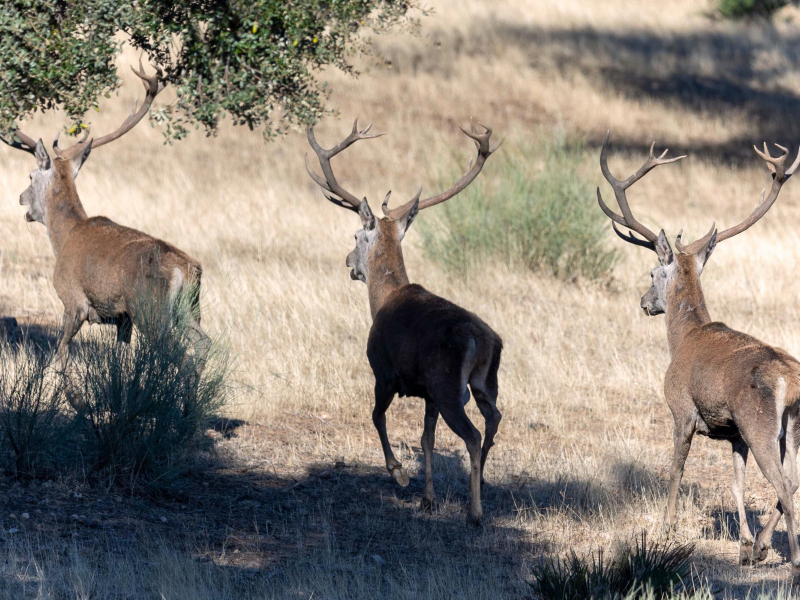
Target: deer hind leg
448, 400
428, 441
484, 389
384, 394
788, 457
740, 452
72, 322
682, 442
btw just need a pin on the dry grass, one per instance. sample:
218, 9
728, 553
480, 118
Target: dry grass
297, 503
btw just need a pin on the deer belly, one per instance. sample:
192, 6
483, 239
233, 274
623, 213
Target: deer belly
716, 426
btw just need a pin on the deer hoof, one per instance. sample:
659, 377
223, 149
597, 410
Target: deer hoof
427, 504
745, 552
760, 552
474, 520
400, 475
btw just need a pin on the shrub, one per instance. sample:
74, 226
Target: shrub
544, 220
143, 404
31, 409
738, 9
142, 407
638, 571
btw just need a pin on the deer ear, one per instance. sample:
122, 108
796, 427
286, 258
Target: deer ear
405, 221
367, 218
42, 157
703, 254
77, 161
664, 250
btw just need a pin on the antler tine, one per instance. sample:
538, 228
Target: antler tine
482, 142
779, 176
627, 219
23, 142
328, 182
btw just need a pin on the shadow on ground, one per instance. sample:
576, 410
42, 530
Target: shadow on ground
732, 72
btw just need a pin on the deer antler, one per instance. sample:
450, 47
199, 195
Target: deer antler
153, 85
627, 219
779, 176
338, 195
484, 151
22, 142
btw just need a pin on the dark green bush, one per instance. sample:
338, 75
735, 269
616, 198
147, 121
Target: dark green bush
635, 571
738, 9
543, 219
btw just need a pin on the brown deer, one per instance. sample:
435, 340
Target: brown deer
419, 344
102, 269
720, 383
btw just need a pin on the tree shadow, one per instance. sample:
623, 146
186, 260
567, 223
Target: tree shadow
40, 337
710, 73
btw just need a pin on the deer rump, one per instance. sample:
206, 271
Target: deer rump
420, 342
117, 268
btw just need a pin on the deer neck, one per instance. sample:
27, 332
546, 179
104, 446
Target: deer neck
686, 305
64, 208
387, 271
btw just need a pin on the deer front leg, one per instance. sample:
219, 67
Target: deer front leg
682, 441
740, 452
72, 322
428, 442
384, 394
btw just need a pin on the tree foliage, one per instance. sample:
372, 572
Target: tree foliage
253, 61
738, 9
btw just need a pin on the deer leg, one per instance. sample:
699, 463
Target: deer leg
428, 441
124, 328
682, 441
486, 398
72, 322
788, 450
455, 416
384, 394
740, 452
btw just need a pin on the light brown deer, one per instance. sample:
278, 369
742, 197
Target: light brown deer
720, 383
419, 344
103, 269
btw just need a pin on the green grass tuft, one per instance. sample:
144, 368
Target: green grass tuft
635, 571
537, 212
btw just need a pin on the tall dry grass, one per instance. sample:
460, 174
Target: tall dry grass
583, 451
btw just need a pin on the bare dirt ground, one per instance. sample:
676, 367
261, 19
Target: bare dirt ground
293, 499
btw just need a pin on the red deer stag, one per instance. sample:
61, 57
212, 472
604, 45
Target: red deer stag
103, 268
419, 344
720, 383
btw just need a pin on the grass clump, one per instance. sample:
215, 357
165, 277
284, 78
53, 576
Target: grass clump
536, 213
32, 406
635, 571
142, 407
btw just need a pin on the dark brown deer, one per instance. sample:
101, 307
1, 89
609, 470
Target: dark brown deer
103, 269
419, 344
720, 383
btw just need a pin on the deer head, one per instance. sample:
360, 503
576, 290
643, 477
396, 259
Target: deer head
68, 162
690, 259
378, 234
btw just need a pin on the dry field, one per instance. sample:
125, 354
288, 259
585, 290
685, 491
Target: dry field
295, 501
